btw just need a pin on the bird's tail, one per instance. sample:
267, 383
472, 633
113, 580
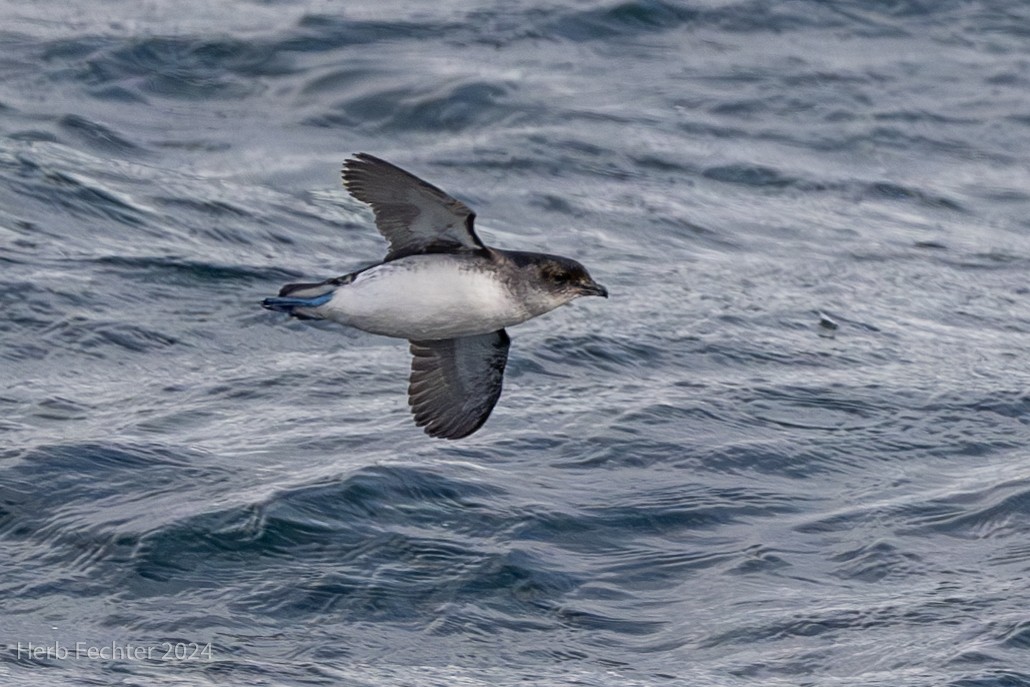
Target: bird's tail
301, 300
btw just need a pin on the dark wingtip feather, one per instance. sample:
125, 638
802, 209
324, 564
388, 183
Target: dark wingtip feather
293, 288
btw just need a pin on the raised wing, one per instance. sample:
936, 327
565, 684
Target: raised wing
455, 383
415, 217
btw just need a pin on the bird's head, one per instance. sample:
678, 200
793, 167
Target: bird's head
552, 280
568, 279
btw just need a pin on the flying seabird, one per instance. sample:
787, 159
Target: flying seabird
441, 288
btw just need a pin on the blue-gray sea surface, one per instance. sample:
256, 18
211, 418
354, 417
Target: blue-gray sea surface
791, 449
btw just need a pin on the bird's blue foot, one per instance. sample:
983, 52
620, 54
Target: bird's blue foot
291, 304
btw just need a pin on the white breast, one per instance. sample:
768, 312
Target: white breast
426, 297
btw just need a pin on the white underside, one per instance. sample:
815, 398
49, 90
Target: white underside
425, 297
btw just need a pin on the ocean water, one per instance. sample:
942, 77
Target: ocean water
791, 448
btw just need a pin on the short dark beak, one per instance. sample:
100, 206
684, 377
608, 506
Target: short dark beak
595, 289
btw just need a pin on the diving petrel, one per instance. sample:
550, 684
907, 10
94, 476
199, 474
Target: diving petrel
442, 289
